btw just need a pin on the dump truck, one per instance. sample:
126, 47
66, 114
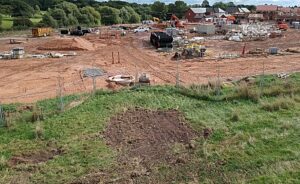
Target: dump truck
161, 39
41, 31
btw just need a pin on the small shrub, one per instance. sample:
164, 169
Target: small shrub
39, 131
244, 91
279, 103
235, 116
214, 84
37, 115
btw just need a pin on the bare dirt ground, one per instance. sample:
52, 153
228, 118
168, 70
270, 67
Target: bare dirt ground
147, 134
144, 139
31, 79
35, 158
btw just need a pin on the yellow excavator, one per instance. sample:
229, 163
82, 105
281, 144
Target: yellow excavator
155, 19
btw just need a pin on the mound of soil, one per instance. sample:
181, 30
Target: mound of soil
67, 44
34, 158
148, 134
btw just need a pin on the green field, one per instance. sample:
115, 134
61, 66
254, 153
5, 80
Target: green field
7, 22
255, 134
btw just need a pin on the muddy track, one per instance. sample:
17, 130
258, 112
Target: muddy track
143, 62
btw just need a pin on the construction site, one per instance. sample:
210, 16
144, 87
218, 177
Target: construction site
191, 58
213, 97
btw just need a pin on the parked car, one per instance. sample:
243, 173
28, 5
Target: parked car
141, 29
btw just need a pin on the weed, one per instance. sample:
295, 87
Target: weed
39, 131
37, 115
279, 103
235, 116
244, 91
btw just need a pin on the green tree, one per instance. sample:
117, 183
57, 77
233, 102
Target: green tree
48, 20
93, 16
60, 16
230, 4
179, 8
220, 5
21, 9
0, 19
37, 9
72, 20
109, 15
133, 16
84, 19
6, 9
69, 8
205, 3
159, 9
144, 11
22, 23
124, 15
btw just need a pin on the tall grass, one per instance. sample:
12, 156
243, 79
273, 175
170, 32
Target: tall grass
278, 104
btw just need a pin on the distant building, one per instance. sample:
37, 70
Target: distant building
202, 14
255, 17
236, 10
270, 12
195, 14
278, 13
241, 14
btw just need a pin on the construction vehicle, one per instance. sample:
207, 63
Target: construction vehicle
157, 20
175, 22
79, 31
161, 39
282, 26
191, 51
42, 31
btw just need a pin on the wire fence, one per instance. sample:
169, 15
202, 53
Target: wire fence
61, 91
171, 77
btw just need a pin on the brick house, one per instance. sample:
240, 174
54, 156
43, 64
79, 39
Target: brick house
195, 14
270, 12
200, 14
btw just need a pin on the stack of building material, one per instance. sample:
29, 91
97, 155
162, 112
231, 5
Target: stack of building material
296, 25
209, 29
250, 32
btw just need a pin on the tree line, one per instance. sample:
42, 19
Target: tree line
64, 13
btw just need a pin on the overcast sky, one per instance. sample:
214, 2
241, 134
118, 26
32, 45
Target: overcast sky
256, 2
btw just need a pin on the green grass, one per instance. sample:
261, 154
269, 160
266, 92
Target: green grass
254, 144
7, 22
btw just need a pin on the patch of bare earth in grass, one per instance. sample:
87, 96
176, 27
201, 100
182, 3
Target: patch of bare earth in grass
144, 140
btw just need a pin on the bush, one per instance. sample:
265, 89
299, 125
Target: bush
235, 116
245, 92
279, 103
48, 21
22, 23
39, 131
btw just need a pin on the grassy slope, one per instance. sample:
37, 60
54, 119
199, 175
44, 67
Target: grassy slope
258, 147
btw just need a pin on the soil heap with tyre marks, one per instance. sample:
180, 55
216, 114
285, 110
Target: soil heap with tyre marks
148, 135
68, 44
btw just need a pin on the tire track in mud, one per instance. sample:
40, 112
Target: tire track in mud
143, 62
